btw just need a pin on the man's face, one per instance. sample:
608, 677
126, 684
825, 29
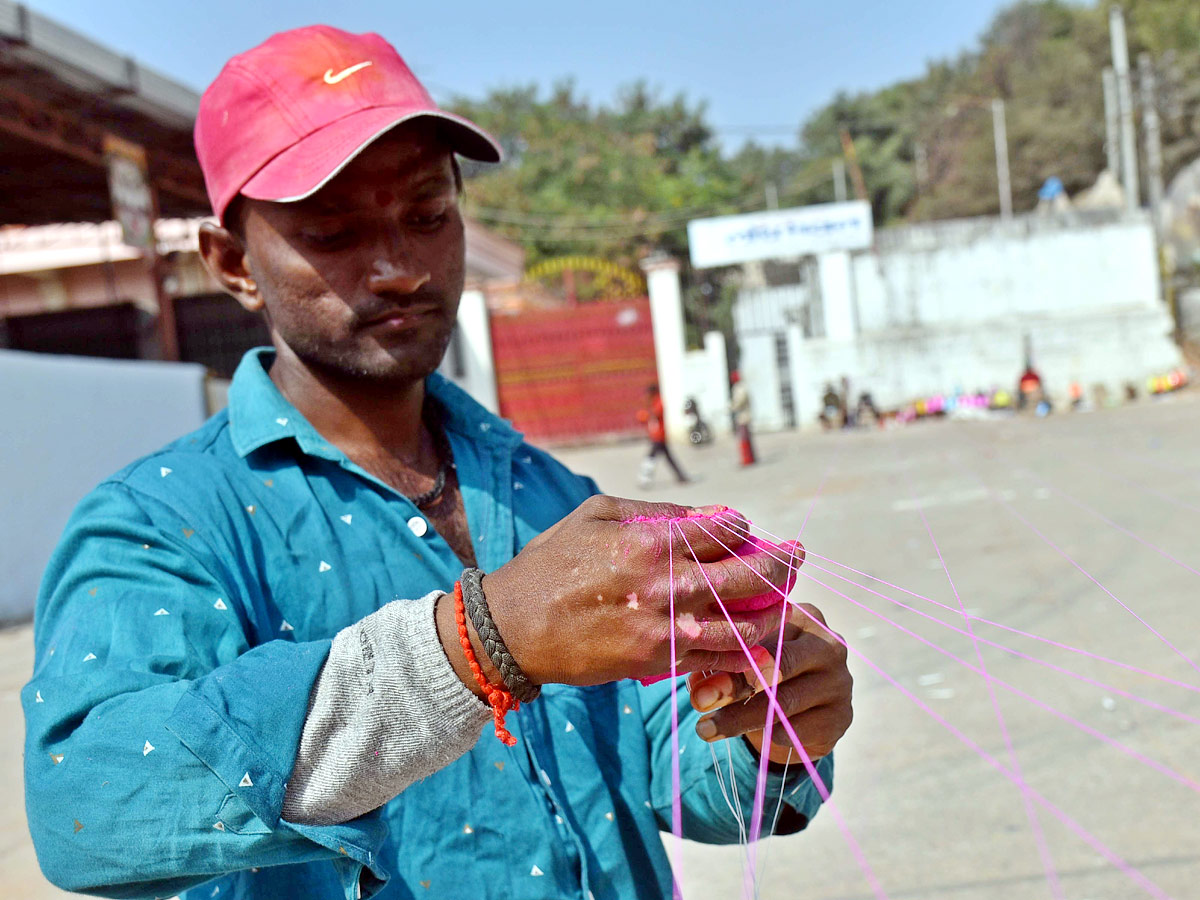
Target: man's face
363, 278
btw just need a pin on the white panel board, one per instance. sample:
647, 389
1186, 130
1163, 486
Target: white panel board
825, 227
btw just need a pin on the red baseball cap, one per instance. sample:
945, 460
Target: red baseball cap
282, 119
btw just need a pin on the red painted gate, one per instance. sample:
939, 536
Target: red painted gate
575, 373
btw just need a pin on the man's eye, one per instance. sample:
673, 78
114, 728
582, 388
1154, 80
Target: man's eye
325, 239
430, 222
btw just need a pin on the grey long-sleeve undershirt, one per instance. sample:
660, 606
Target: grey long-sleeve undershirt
387, 710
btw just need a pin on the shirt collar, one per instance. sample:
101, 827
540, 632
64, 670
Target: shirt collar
259, 414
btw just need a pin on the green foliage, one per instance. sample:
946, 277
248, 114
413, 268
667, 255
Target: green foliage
610, 181
617, 180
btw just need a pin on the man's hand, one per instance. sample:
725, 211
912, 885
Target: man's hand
813, 688
589, 600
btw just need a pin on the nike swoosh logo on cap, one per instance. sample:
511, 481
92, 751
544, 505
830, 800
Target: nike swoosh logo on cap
330, 78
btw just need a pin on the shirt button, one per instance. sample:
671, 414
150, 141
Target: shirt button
418, 526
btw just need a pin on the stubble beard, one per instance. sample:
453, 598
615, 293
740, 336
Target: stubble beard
361, 358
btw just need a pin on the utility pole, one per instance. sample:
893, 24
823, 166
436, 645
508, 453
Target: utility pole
1120, 55
839, 180
1000, 134
851, 155
1112, 146
1152, 137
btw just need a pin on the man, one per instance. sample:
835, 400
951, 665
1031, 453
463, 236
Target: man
739, 406
654, 418
249, 673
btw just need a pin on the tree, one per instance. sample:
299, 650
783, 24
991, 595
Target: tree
613, 181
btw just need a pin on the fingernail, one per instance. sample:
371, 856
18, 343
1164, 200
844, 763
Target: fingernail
708, 511
707, 696
766, 665
707, 730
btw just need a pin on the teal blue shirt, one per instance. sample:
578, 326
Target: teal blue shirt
182, 623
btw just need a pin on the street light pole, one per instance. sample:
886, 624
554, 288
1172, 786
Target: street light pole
1120, 57
1000, 135
839, 180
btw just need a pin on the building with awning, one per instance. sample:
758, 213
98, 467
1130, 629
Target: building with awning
70, 282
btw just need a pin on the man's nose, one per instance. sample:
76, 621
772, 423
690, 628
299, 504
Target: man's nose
397, 276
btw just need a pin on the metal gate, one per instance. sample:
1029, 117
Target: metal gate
577, 373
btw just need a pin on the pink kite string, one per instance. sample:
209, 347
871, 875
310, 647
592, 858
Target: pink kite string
1013, 512
773, 703
760, 786
1039, 836
1146, 458
676, 799
1090, 839
1082, 726
1079, 504
1137, 698
1129, 695
983, 621
1174, 501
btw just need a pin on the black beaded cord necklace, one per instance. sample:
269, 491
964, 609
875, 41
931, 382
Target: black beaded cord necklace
441, 446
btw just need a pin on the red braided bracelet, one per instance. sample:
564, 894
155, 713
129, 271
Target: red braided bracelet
500, 700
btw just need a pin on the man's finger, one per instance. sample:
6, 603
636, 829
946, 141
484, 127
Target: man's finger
797, 695
747, 581
715, 690
807, 652
709, 534
607, 508
688, 532
709, 640
818, 729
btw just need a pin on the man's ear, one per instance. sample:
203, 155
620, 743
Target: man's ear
224, 256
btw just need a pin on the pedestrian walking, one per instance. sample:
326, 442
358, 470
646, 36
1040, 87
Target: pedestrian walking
653, 417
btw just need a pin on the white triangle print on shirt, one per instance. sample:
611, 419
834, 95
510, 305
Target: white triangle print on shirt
324, 566
281, 421
89, 657
37, 697
570, 727
162, 612
286, 627
246, 782
535, 872
164, 471
148, 749
346, 518
220, 604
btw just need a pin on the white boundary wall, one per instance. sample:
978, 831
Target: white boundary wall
947, 306
706, 378
477, 375
70, 422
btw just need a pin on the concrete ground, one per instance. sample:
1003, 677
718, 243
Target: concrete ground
1025, 513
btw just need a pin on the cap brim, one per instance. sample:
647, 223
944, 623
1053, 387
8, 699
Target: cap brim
311, 163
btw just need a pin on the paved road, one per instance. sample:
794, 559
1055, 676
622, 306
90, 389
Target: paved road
1018, 509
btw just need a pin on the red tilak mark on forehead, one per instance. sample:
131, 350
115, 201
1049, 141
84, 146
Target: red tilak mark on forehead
384, 197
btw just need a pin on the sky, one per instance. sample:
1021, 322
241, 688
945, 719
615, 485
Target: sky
761, 65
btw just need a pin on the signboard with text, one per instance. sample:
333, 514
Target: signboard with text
132, 195
823, 228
